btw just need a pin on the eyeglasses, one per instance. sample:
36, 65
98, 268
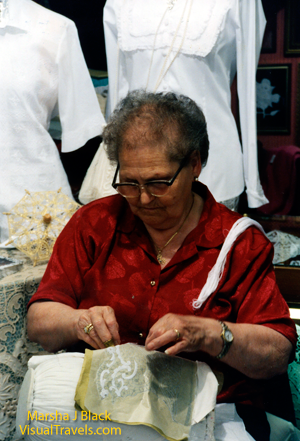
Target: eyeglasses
157, 188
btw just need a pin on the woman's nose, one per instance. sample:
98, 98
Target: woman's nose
145, 196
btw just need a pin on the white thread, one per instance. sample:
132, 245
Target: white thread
115, 376
216, 272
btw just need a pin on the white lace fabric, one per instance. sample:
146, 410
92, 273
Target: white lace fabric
286, 246
205, 24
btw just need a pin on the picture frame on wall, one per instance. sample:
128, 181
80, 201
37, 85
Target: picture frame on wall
273, 98
292, 28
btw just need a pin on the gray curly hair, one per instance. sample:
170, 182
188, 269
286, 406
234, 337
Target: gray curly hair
157, 118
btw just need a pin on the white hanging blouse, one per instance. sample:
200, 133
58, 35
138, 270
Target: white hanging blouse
210, 41
42, 74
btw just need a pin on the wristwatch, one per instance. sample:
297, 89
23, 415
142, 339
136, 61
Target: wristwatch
227, 337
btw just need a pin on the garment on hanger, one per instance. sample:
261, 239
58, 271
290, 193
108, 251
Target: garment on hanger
195, 48
42, 74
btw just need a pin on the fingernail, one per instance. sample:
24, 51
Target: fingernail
167, 351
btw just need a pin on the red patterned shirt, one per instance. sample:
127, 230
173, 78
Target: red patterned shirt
104, 256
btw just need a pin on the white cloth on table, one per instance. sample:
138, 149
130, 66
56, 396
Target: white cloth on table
42, 74
223, 37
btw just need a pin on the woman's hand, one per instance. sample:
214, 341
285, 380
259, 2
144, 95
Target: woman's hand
185, 333
104, 326
257, 351
56, 326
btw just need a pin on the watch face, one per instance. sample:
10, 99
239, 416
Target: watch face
228, 335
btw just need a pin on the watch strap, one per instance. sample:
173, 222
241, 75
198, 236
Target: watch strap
226, 343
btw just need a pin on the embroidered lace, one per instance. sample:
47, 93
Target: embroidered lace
286, 246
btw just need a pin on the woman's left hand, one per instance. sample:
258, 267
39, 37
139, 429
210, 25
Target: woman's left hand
185, 333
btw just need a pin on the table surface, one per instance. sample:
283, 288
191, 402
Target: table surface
15, 349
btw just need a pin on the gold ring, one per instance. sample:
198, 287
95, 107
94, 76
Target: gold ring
177, 334
109, 343
87, 329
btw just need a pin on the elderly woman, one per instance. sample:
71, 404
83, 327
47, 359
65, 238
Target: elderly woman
127, 268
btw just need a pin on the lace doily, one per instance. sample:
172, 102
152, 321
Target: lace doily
286, 246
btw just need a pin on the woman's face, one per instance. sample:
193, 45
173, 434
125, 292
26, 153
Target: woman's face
145, 163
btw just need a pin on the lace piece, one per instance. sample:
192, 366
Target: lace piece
286, 246
141, 387
15, 348
138, 21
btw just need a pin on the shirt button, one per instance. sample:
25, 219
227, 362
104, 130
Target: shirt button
152, 283
141, 335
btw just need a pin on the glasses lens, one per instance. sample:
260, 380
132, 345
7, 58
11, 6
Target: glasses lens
128, 191
157, 188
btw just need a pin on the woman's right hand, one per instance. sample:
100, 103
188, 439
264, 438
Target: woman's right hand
105, 326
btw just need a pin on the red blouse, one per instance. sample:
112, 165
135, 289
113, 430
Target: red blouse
104, 256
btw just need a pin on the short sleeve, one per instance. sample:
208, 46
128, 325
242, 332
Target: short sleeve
78, 107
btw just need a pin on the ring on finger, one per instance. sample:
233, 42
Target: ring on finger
87, 329
109, 343
177, 334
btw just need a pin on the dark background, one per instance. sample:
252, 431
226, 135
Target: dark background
88, 16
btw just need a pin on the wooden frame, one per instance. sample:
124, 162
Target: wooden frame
273, 96
292, 28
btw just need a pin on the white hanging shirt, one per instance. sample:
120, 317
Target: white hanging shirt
42, 74
222, 37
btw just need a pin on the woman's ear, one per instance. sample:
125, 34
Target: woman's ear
196, 163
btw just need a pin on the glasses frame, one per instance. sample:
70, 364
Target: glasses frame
115, 185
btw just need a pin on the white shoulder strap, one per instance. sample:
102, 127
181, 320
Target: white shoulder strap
216, 272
